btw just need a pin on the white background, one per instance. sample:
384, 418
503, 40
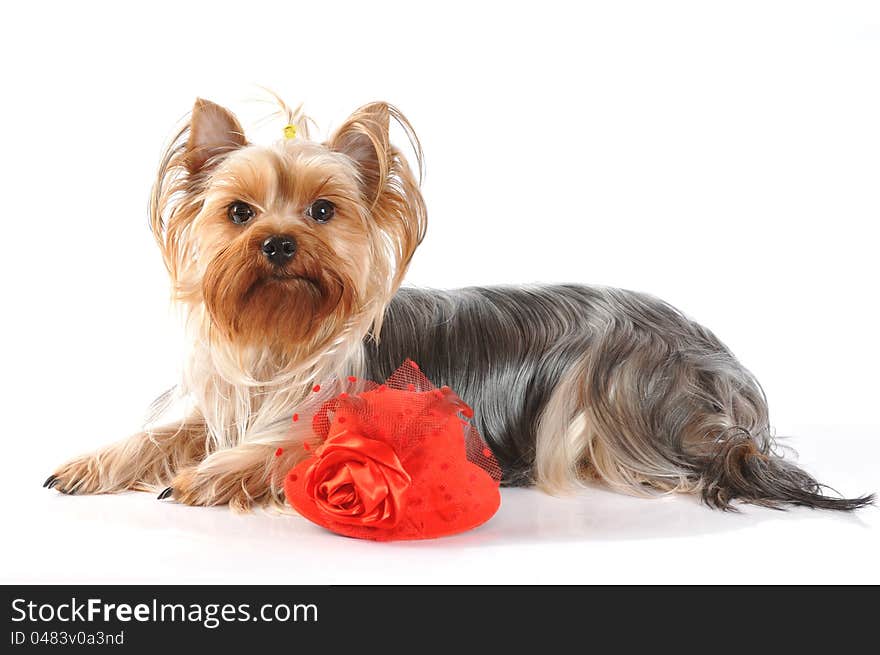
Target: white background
724, 156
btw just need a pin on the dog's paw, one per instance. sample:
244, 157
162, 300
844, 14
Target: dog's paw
205, 487
79, 476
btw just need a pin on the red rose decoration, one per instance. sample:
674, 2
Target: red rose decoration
391, 461
358, 481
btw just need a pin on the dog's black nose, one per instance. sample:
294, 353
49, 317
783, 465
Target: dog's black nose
279, 249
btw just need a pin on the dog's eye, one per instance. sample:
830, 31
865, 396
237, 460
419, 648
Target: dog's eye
240, 212
321, 210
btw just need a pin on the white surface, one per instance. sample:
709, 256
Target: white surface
594, 537
722, 156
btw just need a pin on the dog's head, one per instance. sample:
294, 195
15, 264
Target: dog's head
285, 246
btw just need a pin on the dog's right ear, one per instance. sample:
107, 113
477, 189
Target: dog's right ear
211, 133
214, 132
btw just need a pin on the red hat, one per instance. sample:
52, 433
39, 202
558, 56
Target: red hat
395, 461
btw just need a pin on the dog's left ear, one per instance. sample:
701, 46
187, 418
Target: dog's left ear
388, 184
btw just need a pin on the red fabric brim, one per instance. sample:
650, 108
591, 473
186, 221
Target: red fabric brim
430, 512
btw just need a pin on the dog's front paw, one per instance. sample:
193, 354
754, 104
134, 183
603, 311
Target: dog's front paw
205, 486
80, 476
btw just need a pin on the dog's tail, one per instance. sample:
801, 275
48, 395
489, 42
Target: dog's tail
670, 409
745, 468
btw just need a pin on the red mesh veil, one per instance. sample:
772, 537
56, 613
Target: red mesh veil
399, 460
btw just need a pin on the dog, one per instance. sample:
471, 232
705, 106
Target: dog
288, 261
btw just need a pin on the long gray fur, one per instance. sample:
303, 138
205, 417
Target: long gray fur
667, 398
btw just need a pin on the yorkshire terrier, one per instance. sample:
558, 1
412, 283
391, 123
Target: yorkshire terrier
288, 261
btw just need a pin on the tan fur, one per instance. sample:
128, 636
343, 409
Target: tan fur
243, 477
258, 337
143, 462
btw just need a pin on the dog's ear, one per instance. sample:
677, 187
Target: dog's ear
211, 133
388, 185
214, 132
364, 138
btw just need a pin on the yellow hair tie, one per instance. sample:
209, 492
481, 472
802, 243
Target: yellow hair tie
290, 131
